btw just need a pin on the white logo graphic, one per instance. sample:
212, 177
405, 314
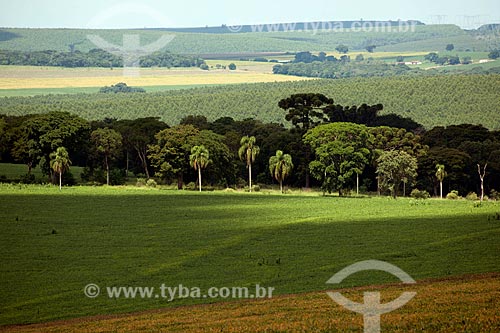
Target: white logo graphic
235, 28
131, 51
371, 309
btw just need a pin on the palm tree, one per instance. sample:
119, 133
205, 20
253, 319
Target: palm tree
248, 151
440, 174
280, 167
199, 159
60, 162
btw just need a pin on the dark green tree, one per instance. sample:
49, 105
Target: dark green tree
248, 152
341, 152
440, 174
199, 159
137, 135
370, 48
389, 138
305, 111
170, 154
342, 48
396, 168
107, 143
60, 162
280, 166
42, 134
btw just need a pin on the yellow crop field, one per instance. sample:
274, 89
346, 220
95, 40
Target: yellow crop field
17, 77
460, 304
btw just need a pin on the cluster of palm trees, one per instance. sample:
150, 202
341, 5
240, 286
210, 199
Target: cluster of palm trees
280, 166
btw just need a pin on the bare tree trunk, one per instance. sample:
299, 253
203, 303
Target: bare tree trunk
179, 181
60, 180
144, 162
441, 189
107, 170
357, 184
199, 177
481, 176
308, 176
250, 177
281, 186
126, 169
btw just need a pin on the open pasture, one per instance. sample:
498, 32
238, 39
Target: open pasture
20, 77
53, 243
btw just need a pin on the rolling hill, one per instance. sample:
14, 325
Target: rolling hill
424, 37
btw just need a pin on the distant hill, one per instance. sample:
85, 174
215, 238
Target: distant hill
287, 27
217, 40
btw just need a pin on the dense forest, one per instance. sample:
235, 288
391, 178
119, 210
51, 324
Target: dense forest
93, 58
431, 101
364, 141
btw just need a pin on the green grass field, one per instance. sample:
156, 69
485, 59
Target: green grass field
88, 90
15, 171
53, 243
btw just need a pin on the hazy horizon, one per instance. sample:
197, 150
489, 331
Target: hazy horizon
160, 14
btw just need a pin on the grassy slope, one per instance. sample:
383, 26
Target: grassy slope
137, 237
468, 303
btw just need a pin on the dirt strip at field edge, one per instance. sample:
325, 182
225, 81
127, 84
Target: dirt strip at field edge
461, 303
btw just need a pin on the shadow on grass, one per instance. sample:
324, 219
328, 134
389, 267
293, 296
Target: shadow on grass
292, 243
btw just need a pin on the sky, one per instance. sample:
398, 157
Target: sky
199, 13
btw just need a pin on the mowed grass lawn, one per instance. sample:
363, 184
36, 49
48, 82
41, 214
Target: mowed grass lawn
53, 243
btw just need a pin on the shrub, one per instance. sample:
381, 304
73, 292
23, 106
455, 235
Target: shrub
494, 195
27, 179
116, 177
471, 196
151, 183
453, 195
68, 179
232, 66
140, 182
417, 194
190, 186
255, 188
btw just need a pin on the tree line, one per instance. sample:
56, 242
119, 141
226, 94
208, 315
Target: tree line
340, 149
329, 67
93, 58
